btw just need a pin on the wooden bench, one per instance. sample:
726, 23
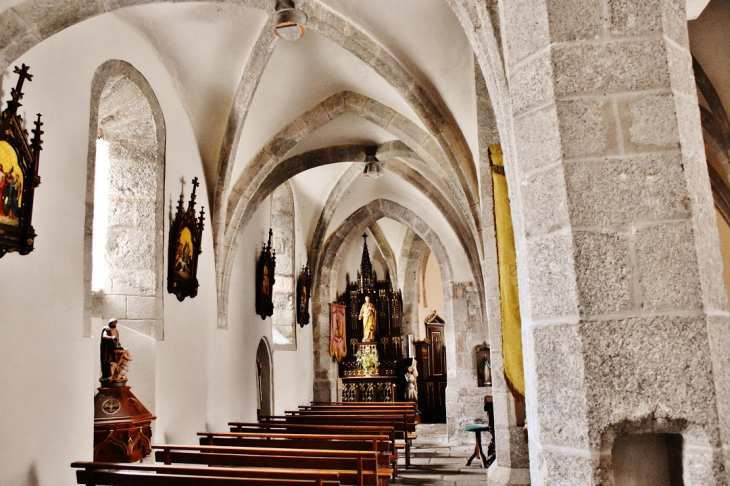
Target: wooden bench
353, 467
115, 474
304, 429
403, 429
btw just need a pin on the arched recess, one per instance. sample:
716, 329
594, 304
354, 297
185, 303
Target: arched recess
410, 282
460, 303
127, 141
264, 379
283, 321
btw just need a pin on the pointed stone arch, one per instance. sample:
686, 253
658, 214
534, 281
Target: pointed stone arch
460, 303
261, 182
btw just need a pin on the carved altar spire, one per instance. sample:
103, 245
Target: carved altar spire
365, 276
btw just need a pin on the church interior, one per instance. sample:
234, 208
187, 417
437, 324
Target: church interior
520, 203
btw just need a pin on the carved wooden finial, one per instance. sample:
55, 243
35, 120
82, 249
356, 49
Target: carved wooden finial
37, 132
17, 92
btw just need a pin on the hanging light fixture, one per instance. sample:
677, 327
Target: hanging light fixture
373, 167
289, 22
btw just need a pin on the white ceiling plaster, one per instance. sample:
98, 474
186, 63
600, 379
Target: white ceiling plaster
301, 74
205, 48
312, 187
428, 39
394, 233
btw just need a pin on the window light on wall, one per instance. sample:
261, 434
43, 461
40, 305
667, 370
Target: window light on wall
99, 266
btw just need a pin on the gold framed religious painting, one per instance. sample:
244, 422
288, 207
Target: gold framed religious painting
265, 280
19, 158
186, 232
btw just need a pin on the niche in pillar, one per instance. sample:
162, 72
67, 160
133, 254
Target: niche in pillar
647, 459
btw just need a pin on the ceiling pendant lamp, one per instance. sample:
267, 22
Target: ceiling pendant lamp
373, 167
289, 22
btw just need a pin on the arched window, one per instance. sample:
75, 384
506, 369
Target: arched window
123, 267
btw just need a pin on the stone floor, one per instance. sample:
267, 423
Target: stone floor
435, 462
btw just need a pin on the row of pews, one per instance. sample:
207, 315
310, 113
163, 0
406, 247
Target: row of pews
324, 444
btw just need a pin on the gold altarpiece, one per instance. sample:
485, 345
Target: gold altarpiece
384, 384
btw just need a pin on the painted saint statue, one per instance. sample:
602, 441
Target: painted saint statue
368, 316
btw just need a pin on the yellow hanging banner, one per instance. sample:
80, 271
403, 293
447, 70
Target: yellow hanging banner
509, 294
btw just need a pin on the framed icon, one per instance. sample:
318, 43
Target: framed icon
186, 233
265, 280
19, 158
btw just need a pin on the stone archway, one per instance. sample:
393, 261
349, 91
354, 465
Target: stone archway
462, 308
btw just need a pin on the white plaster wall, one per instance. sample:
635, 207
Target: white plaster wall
49, 370
232, 353
434, 294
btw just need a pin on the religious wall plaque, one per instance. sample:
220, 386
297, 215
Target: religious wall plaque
303, 296
19, 158
186, 233
265, 280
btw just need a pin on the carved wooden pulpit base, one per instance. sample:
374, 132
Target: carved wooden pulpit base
122, 425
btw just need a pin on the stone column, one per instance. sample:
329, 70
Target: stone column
625, 322
512, 464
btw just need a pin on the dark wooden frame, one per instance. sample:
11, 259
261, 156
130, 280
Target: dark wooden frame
177, 282
303, 296
265, 280
19, 237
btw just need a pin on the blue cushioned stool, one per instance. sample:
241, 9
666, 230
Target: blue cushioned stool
478, 452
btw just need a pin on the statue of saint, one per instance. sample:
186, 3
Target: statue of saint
114, 357
411, 395
368, 316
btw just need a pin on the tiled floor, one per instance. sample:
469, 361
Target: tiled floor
435, 462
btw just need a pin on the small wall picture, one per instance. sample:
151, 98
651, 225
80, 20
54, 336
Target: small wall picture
265, 280
19, 158
338, 338
303, 296
186, 233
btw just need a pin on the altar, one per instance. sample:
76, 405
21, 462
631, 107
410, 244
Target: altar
385, 381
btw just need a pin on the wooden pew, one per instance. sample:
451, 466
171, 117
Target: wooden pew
410, 417
376, 443
116, 474
367, 409
403, 429
304, 429
353, 467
